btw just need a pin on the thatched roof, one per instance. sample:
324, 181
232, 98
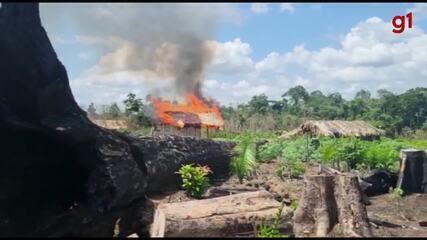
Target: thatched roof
335, 128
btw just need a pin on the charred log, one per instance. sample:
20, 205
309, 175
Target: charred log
163, 156
60, 174
413, 171
378, 182
54, 158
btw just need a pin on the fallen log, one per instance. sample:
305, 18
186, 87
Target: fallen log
163, 156
216, 217
331, 205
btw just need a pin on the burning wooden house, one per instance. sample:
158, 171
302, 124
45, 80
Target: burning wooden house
193, 118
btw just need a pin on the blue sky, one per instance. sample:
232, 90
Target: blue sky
318, 25
264, 48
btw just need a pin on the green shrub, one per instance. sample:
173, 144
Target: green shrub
266, 231
327, 152
270, 151
294, 153
194, 179
244, 161
382, 155
298, 149
351, 151
398, 192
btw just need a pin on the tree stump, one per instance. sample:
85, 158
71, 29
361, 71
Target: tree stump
331, 205
413, 171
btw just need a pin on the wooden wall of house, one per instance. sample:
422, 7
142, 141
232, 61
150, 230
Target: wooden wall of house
187, 131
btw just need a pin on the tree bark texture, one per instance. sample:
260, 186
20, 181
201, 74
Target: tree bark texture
216, 217
331, 205
413, 171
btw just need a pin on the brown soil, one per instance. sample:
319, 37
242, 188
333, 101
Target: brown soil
393, 216
407, 212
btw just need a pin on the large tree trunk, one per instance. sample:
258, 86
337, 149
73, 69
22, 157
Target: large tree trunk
331, 205
60, 174
216, 217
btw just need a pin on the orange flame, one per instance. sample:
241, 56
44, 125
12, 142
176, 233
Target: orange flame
210, 116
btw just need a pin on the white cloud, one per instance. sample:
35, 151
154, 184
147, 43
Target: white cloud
260, 8
231, 57
370, 56
287, 7
419, 11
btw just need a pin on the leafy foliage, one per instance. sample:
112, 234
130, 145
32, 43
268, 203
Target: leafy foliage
272, 231
389, 111
270, 151
398, 192
194, 179
380, 154
244, 162
134, 110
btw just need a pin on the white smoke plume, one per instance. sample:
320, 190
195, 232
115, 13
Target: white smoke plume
165, 42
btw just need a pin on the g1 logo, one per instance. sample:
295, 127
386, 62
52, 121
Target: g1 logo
399, 23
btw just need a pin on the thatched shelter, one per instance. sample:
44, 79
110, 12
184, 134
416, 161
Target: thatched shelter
336, 128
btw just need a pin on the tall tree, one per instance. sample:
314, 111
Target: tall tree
363, 94
297, 95
259, 104
91, 111
382, 93
113, 111
133, 105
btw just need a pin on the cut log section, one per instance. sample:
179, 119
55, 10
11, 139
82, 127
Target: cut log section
216, 217
331, 205
413, 171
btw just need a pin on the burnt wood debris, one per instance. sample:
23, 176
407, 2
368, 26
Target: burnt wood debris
60, 174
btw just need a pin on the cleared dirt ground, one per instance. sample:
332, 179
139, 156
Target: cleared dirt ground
392, 216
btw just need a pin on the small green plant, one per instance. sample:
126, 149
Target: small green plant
244, 162
294, 204
397, 192
266, 231
195, 179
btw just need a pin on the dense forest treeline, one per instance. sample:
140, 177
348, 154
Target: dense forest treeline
397, 114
